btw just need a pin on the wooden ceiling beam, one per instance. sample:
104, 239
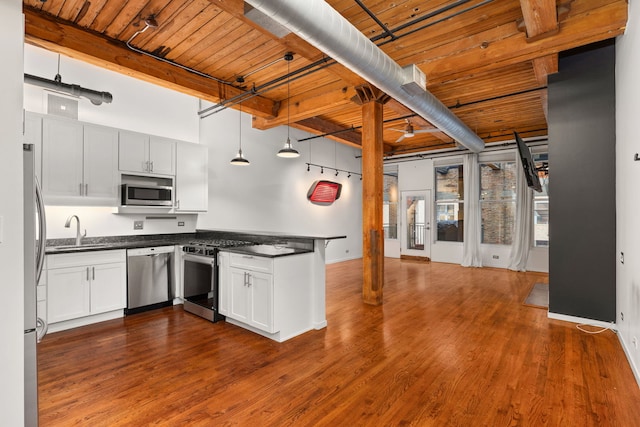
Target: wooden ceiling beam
540, 18
309, 104
331, 131
67, 39
504, 45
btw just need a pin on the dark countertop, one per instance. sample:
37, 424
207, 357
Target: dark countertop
295, 243
268, 251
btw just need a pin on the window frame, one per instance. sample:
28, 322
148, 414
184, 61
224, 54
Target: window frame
506, 156
440, 163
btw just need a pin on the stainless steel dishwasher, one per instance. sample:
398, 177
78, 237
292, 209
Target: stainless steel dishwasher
149, 278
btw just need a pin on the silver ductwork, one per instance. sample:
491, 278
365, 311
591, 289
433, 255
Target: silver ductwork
322, 26
96, 97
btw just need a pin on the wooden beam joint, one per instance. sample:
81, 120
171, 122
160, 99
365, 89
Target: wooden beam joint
368, 93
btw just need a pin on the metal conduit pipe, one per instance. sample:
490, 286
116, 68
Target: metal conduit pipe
319, 24
96, 97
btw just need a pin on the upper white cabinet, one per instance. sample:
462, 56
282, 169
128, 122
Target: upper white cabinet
192, 178
141, 153
79, 162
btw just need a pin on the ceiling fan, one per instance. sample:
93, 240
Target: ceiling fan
409, 131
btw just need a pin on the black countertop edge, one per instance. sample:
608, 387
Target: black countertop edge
265, 234
105, 243
259, 250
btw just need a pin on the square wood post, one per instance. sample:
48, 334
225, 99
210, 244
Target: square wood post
372, 188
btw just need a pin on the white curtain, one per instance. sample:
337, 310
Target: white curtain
523, 225
472, 223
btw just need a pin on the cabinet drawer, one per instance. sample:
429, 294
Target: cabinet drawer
252, 262
86, 258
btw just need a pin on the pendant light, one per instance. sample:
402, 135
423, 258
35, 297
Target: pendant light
288, 151
239, 160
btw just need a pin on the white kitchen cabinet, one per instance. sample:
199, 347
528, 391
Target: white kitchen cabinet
100, 163
192, 177
251, 300
141, 153
269, 296
85, 285
62, 158
79, 163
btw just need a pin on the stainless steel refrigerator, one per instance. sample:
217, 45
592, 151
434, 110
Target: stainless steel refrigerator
34, 243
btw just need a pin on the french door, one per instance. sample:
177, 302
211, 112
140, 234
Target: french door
415, 235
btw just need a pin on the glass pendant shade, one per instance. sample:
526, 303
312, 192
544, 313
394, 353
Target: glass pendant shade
288, 151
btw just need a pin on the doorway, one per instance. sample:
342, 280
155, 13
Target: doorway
415, 224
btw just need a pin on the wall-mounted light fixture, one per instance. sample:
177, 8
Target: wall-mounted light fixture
288, 151
324, 192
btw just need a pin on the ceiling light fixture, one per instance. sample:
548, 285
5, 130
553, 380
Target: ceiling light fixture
239, 160
288, 151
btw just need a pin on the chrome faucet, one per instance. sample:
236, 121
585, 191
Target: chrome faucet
78, 235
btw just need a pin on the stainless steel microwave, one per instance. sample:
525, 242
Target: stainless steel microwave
146, 195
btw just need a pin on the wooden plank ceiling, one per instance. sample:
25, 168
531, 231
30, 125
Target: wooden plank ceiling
487, 60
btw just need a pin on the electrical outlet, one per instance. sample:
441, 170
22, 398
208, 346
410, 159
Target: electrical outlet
180, 223
138, 225
621, 316
496, 257
621, 257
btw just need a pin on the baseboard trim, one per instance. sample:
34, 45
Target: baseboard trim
415, 258
582, 321
627, 352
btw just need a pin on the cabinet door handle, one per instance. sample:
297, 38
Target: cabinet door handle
248, 279
151, 170
177, 204
87, 274
93, 271
145, 166
80, 185
86, 189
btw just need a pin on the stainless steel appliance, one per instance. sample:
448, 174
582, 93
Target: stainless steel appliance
149, 278
34, 244
200, 276
146, 195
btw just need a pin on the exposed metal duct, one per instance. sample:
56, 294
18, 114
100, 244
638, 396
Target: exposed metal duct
319, 24
96, 97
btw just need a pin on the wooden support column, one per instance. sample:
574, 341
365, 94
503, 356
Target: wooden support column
372, 101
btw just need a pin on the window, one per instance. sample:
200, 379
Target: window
541, 202
498, 201
450, 203
390, 202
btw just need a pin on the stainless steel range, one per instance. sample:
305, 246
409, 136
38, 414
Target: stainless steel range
200, 276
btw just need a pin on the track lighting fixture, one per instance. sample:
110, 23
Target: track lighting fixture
288, 151
337, 171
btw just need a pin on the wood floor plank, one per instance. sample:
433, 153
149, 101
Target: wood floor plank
450, 346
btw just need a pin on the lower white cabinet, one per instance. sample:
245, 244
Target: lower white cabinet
251, 298
85, 284
269, 296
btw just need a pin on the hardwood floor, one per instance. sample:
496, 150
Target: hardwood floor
451, 346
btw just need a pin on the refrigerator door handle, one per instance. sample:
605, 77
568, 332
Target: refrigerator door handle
42, 225
42, 327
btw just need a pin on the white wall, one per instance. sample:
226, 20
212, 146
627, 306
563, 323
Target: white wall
11, 220
137, 106
627, 178
270, 193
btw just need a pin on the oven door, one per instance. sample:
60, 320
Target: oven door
200, 285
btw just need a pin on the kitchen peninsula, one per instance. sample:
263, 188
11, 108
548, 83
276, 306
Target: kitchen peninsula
273, 284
